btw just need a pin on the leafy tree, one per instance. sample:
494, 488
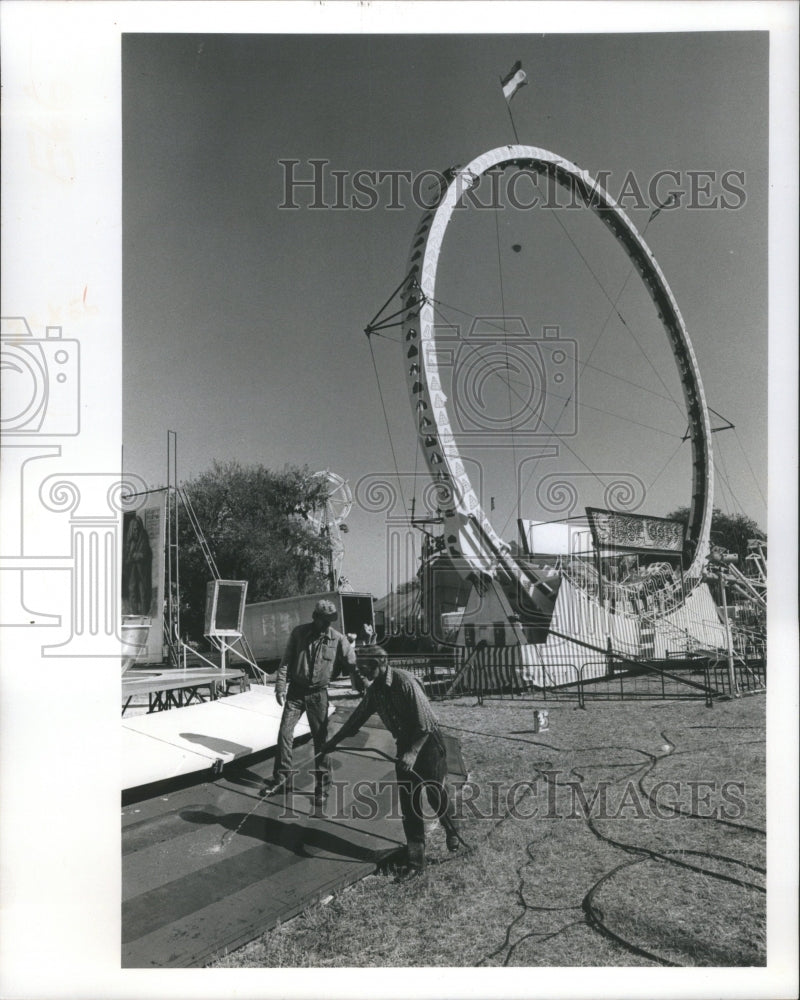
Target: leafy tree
731, 531
255, 522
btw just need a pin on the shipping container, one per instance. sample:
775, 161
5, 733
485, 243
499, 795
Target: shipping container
268, 624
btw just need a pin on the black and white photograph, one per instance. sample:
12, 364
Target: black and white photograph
397, 403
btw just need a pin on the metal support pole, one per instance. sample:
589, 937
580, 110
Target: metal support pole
729, 640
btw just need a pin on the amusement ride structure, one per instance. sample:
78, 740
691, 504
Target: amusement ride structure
638, 591
328, 521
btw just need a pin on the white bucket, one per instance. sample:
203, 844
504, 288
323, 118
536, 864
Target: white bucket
135, 630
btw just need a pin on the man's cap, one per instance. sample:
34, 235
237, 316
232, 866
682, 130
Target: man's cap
326, 609
368, 656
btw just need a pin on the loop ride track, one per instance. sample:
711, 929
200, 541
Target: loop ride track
471, 541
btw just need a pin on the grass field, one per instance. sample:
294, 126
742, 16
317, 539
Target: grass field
627, 834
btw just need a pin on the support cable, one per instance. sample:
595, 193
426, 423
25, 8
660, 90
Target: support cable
664, 466
505, 331
613, 303
750, 467
567, 446
636, 385
386, 421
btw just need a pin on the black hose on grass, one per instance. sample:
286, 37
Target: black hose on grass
501, 736
677, 810
665, 856
526, 906
593, 919
645, 854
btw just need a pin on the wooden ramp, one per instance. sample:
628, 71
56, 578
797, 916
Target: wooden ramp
187, 895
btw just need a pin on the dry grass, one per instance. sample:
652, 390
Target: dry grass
631, 886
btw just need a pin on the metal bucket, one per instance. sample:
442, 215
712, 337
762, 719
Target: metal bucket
135, 630
541, 720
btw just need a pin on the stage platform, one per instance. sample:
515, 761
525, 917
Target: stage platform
170, 687
163, 746
187, 895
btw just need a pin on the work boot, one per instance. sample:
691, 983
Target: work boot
416, 862
408, 875
453, 841
452, 838
268, 786
275, 784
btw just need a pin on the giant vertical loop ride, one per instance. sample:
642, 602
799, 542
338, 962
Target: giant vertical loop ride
469, 535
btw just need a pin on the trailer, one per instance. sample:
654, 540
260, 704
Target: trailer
268, 624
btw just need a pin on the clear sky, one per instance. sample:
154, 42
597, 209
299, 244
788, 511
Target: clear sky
243, 321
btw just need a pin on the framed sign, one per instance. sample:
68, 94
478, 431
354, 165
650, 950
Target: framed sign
635, 532
225, 600
142, 584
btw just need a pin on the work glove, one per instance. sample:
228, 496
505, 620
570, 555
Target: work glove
280, 696
407, 761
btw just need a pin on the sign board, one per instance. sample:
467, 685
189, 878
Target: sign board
143, 532
612, 530
554, 538
225, 601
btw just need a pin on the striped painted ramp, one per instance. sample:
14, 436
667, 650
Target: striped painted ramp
187, 896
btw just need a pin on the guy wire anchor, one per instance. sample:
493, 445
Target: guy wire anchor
380, 322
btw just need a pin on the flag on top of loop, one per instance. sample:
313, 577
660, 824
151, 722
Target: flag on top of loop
515, 79
672, 201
